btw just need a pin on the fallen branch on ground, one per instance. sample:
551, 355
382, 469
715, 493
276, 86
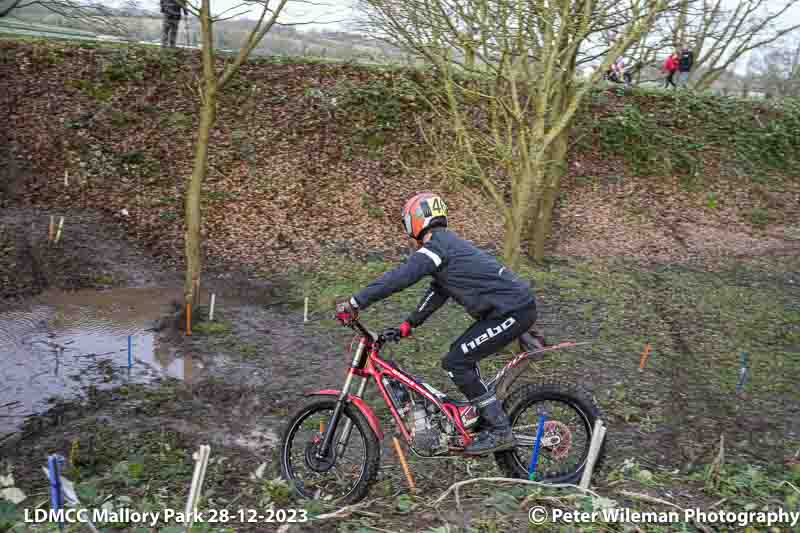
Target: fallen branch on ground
791, 485
344, 511
458, 485
723, 500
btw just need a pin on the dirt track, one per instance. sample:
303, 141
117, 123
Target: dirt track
247, 377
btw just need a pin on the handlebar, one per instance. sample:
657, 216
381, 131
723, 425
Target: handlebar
388, 335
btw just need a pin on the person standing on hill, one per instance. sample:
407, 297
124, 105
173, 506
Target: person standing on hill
172, 10
685, 64
618, 69
670, 68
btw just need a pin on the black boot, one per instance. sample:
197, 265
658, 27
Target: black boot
498, 435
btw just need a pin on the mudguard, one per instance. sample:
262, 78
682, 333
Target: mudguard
521, 363
365, 409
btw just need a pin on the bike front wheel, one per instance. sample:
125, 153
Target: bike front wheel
346, 474
570, 416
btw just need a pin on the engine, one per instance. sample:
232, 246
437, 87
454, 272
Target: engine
427, 431
431, 432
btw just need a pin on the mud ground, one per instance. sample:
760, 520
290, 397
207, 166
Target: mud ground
90, 253
260, 357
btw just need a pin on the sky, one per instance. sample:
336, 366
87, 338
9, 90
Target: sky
338, 15
332, 10
327, 14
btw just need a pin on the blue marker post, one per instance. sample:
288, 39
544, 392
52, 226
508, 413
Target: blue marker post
56, 495
130, 351
536, 447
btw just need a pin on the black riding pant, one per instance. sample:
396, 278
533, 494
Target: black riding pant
481, 340
169, 31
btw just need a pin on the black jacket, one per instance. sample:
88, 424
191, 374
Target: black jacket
473, 278
686, 61
173, 8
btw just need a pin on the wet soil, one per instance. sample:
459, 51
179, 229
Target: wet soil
92, 252
233, 382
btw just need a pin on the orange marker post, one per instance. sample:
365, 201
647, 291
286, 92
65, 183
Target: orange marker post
645, 355
189, 319
404, 464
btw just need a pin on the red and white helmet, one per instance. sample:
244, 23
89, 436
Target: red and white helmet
422, 212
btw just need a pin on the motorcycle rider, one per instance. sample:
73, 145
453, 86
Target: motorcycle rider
502, 305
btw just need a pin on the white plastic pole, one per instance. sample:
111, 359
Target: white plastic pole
201, 462
211, 308
594, 450
305, 313
60, 227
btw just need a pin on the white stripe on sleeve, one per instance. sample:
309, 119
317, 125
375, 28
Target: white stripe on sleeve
435, 258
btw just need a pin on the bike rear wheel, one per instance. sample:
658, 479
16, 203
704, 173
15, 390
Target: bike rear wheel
571, 414
344, 477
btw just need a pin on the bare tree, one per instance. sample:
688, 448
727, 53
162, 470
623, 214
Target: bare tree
719, 35
213, 82
507, 72
777, 70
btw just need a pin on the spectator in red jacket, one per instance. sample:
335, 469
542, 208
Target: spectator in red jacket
670, 68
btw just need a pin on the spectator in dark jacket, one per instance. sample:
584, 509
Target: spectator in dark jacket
685, 64
172, 10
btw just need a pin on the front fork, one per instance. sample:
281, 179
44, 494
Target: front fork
330, 431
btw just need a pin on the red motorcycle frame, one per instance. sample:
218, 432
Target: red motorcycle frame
373, 368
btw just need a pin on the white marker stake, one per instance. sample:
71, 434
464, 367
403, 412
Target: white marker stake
60, 227
305, 313
201, 462
66, 178
211, 308
594, 450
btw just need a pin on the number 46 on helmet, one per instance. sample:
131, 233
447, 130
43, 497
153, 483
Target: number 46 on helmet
423, 212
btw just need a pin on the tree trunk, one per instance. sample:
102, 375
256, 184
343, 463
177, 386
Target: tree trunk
556, 169
708, 79
512, 243
193, 194
679, 32
194, 189
540, 231
552, 168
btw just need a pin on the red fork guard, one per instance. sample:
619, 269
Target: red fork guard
362, 406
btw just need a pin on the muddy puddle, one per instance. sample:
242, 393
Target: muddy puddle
58, 344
